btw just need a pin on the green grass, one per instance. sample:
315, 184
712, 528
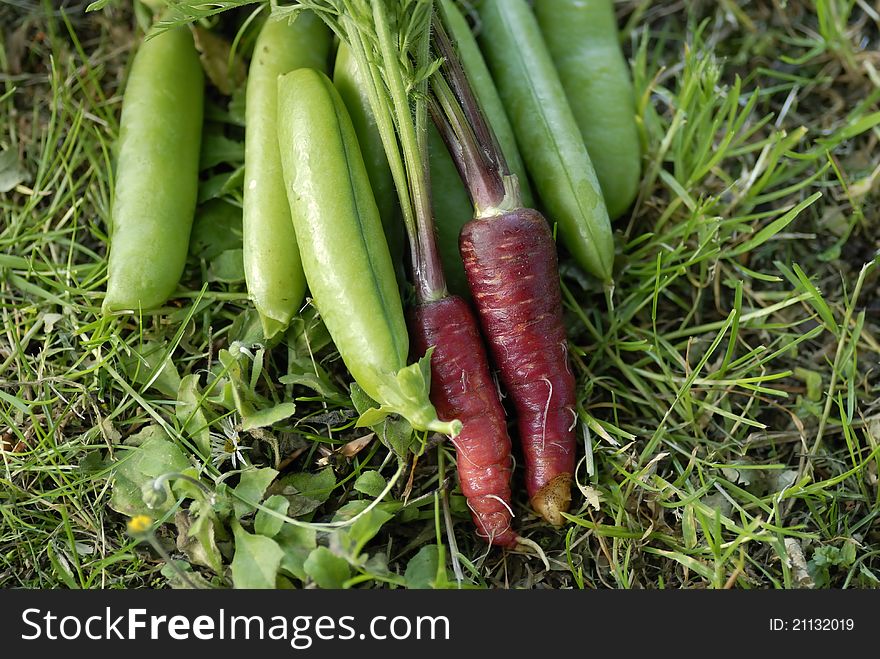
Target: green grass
728, 383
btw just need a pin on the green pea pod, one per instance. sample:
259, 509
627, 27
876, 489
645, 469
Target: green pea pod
354, 95
582, 38
452, 209
157, 172
272, 266
487, 95
547, 132
344, 252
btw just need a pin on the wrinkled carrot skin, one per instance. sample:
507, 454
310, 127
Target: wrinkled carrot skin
462, 388
510, 261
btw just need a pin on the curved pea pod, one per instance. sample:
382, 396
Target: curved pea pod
547, 132
346, 78
344, 253
582, 38
157, 172
273, 271
487, 95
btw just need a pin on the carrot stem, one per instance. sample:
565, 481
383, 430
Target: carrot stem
470, 106
482, 179
427, 270
468, 136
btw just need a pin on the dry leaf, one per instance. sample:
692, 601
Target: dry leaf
592, 495
226, 75
355, 446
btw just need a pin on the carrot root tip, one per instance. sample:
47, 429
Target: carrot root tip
553, 499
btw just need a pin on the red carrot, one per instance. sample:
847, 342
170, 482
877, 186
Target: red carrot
510, 260
462, 388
